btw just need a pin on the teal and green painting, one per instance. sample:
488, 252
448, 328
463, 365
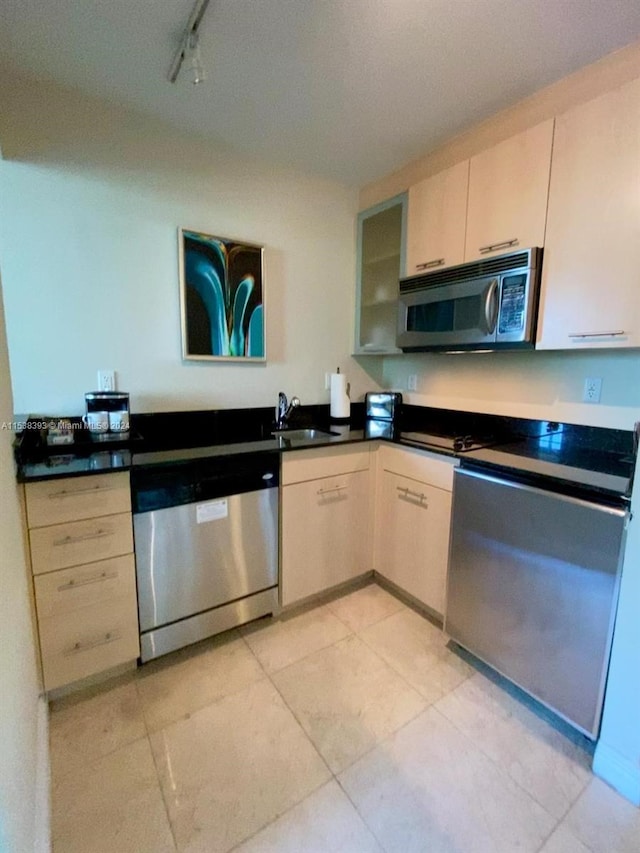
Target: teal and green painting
223, 307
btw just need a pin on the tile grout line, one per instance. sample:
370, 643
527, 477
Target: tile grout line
503, 768
304, 657
391, 666
215, 701
375, 745
264, 678
359, 813
277, 817
351, 633
564, 817
295, 717
310, 794
253, 654
155, 766
500, 767
546, 839
384, 663
334, 776
325, 606
92, 761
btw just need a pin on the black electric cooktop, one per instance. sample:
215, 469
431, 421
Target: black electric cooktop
458, 443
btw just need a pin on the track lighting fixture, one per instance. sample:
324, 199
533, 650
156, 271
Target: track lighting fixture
190, 47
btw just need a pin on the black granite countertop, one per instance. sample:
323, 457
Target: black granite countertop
175, 437
533, 460
591, 458
281, 443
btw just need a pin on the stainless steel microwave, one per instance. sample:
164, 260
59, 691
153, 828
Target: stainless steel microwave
484, 305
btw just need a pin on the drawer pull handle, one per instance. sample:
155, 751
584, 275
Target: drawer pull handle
506, 244
407, 493
72, 584
71, 540
615, 334
430, 264
332, 490
109, 637
69, 493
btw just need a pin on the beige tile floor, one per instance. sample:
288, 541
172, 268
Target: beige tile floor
348, 728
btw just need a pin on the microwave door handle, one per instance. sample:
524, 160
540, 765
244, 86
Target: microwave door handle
491, 306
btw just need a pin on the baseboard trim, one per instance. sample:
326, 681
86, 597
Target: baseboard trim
42, 810
617, 771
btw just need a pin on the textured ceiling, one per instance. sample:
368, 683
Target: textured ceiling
347, 89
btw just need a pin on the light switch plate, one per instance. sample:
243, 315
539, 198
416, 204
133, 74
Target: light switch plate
412, 382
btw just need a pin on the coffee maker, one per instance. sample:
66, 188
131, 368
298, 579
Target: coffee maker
107, 414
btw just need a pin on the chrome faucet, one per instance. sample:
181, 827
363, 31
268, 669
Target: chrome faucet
284, 410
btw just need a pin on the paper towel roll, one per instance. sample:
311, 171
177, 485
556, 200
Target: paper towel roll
340, 404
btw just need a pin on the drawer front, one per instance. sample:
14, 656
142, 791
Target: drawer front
68, 589
95, 639
63, 545
301, 465
75, 498
422, 465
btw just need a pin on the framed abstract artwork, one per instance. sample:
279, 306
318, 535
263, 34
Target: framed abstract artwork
221, 298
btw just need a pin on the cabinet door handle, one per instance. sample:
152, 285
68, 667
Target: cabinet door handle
615, 334
71, 540
72, 584
332, 490
109, 637
506, 244
69, 493
438, 262
407, 493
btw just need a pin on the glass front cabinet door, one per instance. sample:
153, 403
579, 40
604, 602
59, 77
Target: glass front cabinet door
381, 263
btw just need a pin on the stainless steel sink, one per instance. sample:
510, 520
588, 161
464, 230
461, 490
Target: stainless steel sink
310, 434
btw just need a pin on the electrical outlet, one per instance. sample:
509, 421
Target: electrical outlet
592, 389
327, 381
106, 380
412, 382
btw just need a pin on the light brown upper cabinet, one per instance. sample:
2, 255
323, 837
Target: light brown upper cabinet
591, 268
436, 220
508, 189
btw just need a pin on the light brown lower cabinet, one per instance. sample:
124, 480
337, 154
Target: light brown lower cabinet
386, 508
83, 575
413, 522
325, 522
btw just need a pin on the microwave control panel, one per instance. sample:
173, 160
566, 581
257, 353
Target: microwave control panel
513, 303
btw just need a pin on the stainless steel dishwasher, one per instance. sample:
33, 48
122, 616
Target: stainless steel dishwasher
533, 588
206, 541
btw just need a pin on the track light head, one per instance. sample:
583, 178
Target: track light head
198, 74
190, 47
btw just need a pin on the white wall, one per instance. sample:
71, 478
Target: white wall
540, 385
23, 741
92, 197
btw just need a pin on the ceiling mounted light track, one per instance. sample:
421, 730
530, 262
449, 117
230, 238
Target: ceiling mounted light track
190, 46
